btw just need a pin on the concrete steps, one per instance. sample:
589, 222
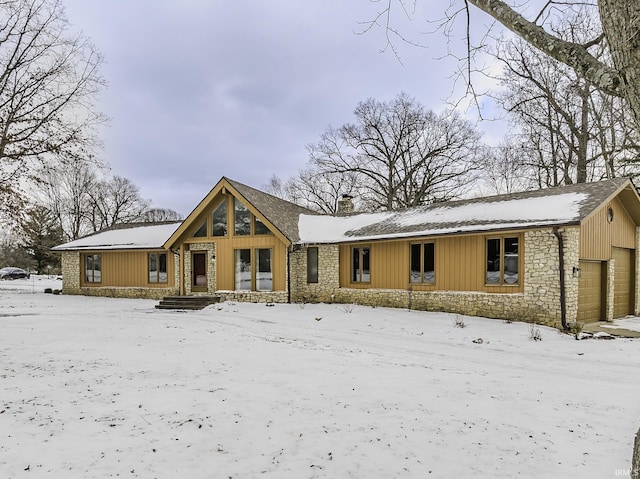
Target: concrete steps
187, 302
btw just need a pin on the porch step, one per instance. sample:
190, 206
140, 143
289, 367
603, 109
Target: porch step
187, 302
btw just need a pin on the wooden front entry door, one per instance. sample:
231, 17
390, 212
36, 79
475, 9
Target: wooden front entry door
199, 271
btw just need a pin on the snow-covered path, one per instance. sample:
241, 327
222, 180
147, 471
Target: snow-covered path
98, 387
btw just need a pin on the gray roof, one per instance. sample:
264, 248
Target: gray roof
566, 205
280, 213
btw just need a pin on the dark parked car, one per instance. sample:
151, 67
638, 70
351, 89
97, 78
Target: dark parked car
13, 273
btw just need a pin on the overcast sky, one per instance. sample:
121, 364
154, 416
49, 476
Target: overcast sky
199, 89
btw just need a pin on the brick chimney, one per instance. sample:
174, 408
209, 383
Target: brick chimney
345, 206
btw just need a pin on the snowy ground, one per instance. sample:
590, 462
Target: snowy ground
98, 387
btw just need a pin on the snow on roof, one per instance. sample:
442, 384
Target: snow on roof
470, 216
134, 237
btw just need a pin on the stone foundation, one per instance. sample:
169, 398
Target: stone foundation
254, 296
127, 292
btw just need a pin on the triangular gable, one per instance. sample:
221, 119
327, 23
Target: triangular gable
629, 197
223, 186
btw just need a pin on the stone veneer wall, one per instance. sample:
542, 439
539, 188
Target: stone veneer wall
210, 250
70, 272
328, 275
539, 302
71, 283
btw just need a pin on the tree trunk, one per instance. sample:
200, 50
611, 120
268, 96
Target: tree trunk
635, 463
621, 25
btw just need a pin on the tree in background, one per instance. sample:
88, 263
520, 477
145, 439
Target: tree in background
115, 200
398, 154
617, 74
49, 79
575, 132
42, 233
156, 215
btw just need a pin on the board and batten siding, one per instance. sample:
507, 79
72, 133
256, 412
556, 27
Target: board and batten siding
127, 269
598, 235
225, 257
460, 264
225, 246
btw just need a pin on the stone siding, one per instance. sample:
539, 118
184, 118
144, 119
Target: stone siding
539, 302
128, 292
71, 272
254, 296
210, 250
328, 275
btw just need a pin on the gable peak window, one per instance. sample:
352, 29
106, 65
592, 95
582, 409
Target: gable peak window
201, 232
219, 219
241, 218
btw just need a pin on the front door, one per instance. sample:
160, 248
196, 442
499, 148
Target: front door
199, 272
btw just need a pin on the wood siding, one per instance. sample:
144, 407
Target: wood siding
225, 246
598, 235
623, 282
591, 292
460, 264
127, 269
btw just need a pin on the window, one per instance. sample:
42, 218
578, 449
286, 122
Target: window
264, 276
201, 232
259, 228
312, 265
242, 218
243, 269
247, 276
502, 260
93, 268
219, 220
423, 263
157, 267
360, 272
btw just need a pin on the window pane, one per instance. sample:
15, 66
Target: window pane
511, 260
355, 265
162, 268
312, 265
153, 268
493, 261
242, 218
264, 275
429, 263
97, 268
416, 250
260, 228
366, 275
202, 231
219, 220
88, 273
243, 269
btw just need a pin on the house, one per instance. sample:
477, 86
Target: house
553, 256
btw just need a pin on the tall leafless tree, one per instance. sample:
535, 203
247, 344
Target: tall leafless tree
400, 153
620, 20
49, 79
580, 134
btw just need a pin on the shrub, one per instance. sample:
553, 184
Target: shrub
534, 332
458, 322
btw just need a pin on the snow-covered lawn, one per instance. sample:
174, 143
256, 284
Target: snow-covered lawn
99, 387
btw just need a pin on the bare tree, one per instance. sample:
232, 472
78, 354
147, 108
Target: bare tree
507, 168
67, 194
156, 215
115, 200
401, 154
580, 133
49, 78
620, 20
321, 190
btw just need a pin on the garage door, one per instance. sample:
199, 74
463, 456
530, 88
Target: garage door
590, 305
622, 282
